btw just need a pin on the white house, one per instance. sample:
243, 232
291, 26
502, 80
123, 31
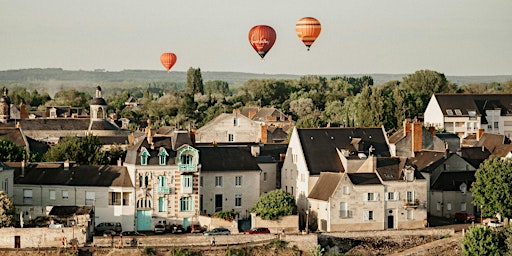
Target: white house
6, 179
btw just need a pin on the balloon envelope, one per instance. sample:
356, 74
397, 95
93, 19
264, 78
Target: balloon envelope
168, 59
262, 38
308, 29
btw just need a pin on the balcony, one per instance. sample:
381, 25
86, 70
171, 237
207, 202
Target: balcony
187, 168
411, 203
162, 190
186, 190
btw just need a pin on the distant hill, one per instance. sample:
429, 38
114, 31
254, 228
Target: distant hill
52, 79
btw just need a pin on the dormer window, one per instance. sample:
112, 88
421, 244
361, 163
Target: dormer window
472, 114
188, 159
449, 112
162, 156
458, 112
144, 154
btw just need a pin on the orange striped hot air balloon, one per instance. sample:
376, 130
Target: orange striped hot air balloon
308, 29
262, 38
168, 59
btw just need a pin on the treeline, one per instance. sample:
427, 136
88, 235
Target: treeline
312, 101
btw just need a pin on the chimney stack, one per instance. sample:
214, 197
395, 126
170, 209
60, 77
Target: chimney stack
417, 136
407, 126
264, 136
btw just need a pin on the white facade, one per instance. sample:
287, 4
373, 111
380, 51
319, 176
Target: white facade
230, 128
6, 179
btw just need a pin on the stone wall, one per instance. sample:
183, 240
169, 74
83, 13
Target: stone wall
212, 223
415, 232
39, 237
289, 224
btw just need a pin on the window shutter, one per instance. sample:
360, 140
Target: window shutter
397, 196
386, 196
366, 215
365, 196
376, 196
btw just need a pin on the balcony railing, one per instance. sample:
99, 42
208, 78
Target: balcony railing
162, 190
412, 203
187, 168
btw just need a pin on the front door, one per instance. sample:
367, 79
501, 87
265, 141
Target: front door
218, 202
186, 223
143, 220
17, 242
391, 221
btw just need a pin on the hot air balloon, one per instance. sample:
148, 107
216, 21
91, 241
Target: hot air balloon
308, 29
262, 38
168, 59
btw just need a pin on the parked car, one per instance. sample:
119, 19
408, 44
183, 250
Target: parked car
217, 231
159, 229
464, 217
177, 229
494, 223
257, 231
196, 228
132, 233
108, 227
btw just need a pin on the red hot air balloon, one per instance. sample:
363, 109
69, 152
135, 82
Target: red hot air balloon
262, 38
168, 59
308, 29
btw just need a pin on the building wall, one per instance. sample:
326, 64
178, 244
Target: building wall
249, 189
447, 203
433, 114
268, 177
219, 129
6, 181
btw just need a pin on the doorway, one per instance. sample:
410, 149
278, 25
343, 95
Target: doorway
218, 202
391, 221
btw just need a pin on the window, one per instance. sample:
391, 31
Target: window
162, 204
201, 181
238, 200
186, 159
187, 181
458, 112
265, 176
371, 197
449, 206
162, 181
162, 156
65, 195
231, 137
52, 194
144, 154
114, 198
291, 190
472, 114
463, 206
6, 185
141, 181
410, 196
343, 210
238, 181
392, 196
438, 206
302, 177
285, 173
449, 112
89, 198
495, 125
235, 121
368, 215
410, 214
218, 181
346, 190
27, 196
294, 158
186, 204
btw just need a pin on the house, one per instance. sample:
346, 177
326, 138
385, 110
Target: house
269, 116
6, 179
414, 137
449, 177
232, 128
385, 193
470, 114
38, 187
165, 170
231, 179
312, 151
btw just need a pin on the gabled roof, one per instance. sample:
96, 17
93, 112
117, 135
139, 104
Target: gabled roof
364, 178
427, 160
76, 175
12, 134
476, 102
103, 125
390, 168
451, 181
320, 146
475, 155
325, 186
492, 141
214, 159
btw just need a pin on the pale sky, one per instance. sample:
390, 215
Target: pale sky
454, 37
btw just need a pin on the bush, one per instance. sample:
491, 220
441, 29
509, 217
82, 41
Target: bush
275, 204
226, 215
482, 241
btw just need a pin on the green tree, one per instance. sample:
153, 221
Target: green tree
6, 210
302, 107
493, 187
10, 152
480, 240
83, 150
274, 204
194, 81
70, 97
216, 86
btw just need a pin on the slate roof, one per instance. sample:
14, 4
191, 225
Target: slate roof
477, 102
364, 178
320, 146
390, 168
77, 175
475, 155
55, 124
451, 181
170, 143
214, 159
427, 160
12, 134
492, 142
325, 186
103, 125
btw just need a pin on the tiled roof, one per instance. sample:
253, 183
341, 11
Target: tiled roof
320, 146
325, 186
226, 159
77, 175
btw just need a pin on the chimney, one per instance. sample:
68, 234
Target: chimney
417, 139
148, 133
23, 110
264, 136
236, 111
251, 114
479, 134
432, 130
193, 137
66, 165
407, 127
281, 157
131, 138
